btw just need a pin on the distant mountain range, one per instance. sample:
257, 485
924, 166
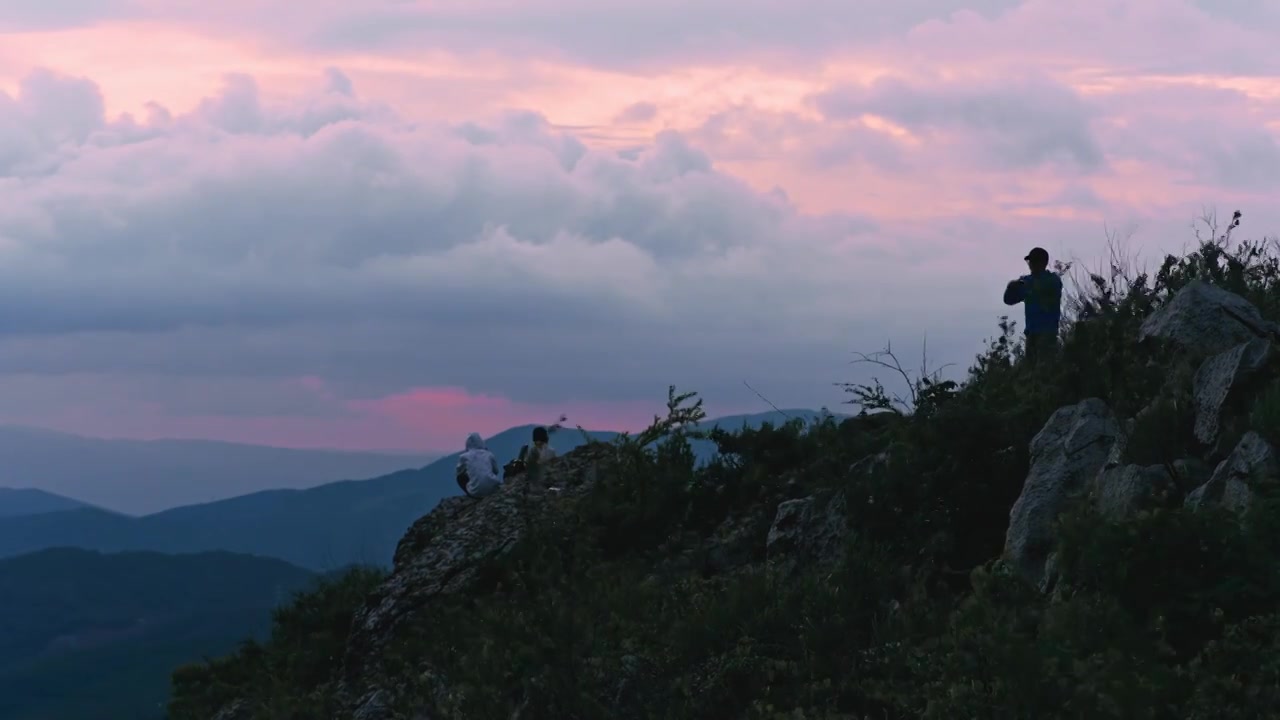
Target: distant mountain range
29, 501
321, 528
89, 635
147, 476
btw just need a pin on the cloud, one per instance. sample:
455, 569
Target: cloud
257, 242
637, 113
1021, 121
348, 225
1205, 134
22, 15
628, 35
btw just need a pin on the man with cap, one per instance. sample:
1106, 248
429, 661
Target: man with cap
1041, 294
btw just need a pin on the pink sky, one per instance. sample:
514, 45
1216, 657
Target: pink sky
314, 212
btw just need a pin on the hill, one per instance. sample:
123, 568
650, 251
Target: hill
342, 523
1093, 533
87, 634
139, 477
29, 501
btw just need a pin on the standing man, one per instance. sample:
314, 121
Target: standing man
1041, 295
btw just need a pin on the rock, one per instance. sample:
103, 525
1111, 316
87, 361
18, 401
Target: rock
234, 710
1252, 463
1124, 490
1205, 320
1066, 455
810, 529
735, 543
1116, 455
374, 706
1218, 377
444, 553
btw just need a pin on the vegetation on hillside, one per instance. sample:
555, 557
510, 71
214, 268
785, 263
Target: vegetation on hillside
1171, 613
90, 634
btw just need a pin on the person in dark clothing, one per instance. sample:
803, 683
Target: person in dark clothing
542, 450
1041, 295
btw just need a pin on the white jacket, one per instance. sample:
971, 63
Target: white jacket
483, 474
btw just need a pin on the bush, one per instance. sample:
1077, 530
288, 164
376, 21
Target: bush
285, 677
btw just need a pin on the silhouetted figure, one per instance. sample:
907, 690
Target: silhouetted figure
1041, 296
542, 450
477, 472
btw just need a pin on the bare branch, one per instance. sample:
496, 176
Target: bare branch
875, 396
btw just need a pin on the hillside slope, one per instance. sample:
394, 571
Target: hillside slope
337, 524
29, 501
139, 477
87, 634
1094, 535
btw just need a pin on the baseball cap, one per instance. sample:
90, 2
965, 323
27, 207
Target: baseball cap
1039, 254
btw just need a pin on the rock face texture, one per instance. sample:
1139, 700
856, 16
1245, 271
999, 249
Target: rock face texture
1252, 464
809, 529
1220, 377
442, 554
1205, 320
1082, 447
1124, 490
1066, 455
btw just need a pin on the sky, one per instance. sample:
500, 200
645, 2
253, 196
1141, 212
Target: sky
388, 223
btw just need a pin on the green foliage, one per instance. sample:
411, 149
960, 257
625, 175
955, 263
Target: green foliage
651, 596
1162, 433
286, 676
1264, 416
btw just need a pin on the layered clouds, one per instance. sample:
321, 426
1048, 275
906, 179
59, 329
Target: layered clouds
383, 257
338, 237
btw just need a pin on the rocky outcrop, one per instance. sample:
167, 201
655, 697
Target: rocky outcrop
808, 530
1066, 455
1220, 377
1123, 490
1251, 464
443, 554
1204, 320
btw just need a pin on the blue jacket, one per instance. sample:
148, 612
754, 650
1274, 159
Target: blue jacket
1041, 294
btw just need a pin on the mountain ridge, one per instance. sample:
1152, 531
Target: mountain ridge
139, 477
89, 634
16, 501
330, 525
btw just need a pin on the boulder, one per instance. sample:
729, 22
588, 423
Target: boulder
1251, 464
1123, 490
1205, 320
808, 530
1066, 455
1219, 377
